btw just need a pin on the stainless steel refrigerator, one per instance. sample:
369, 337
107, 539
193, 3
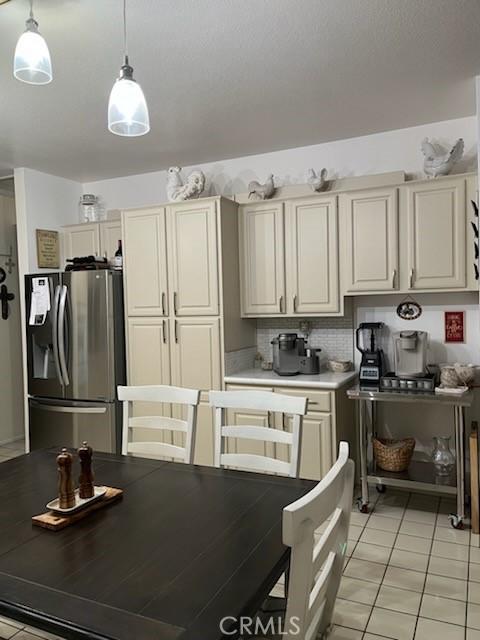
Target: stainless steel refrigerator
76, 358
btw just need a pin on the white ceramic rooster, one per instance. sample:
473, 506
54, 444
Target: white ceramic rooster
193, 187
261, 191
317, 182
439, 163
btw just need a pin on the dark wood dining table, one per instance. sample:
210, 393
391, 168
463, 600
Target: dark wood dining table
184, 548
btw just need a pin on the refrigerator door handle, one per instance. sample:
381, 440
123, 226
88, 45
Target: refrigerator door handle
55, 334
61, 335
66, 409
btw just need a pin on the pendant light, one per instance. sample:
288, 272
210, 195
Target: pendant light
127, 107
32, 62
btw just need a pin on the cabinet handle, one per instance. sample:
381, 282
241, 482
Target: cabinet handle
280, 304
163, 303
164, 331
411, 278
394, 273
295, 304
176, 330
175, 302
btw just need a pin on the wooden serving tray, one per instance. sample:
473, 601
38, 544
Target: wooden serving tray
56, 522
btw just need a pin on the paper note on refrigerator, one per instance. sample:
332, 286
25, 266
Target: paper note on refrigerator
40, 301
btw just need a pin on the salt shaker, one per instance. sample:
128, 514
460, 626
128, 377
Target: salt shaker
85, 489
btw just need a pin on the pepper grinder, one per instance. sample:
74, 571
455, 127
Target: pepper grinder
85, 480
66, 494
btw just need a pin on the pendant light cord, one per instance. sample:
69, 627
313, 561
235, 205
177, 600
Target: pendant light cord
125, 40
31, 9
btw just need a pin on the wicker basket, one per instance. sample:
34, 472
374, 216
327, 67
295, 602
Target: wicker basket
393, 455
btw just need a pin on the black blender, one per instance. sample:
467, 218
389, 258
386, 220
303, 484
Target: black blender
372, 366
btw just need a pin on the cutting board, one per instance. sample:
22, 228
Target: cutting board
56, 522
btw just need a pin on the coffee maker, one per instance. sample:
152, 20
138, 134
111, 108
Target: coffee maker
291, 356
410, 353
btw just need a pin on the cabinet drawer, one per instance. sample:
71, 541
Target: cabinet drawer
317, 400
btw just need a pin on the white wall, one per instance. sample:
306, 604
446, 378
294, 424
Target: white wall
377, 153
43, 202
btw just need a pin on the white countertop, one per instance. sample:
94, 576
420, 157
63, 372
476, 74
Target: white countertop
324, 380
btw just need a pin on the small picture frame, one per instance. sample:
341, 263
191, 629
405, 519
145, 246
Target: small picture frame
48, 252
454, 326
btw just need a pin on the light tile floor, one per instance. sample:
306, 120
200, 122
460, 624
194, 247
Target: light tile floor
409, 575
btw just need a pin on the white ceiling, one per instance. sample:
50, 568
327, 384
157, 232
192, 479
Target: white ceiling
228, 78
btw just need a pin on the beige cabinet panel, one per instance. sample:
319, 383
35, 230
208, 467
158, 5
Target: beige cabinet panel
148, 363
204, 437
262, 258
312, 256
81, 240
370, 220
196, 353
316, 456
436, 220
110, 234
240, 417
145, 261
192, 243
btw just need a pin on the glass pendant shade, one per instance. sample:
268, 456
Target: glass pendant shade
32, 63
127, 107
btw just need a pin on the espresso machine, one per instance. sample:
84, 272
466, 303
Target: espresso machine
291, 356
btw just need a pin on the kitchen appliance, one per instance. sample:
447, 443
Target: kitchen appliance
410, 353
291, 356
372, 365
75, 358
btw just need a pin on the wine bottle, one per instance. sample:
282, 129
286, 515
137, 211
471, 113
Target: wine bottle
118, 258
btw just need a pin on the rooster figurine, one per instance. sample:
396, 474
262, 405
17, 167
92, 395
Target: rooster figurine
317, 182
439, 163
193, 187
261, 191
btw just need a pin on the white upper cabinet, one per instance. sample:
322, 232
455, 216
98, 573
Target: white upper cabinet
145, 261
110, 234
81, 240
370, 223
262, 259
193, 255
312, 256
436, 228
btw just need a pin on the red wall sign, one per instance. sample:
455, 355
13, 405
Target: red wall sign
454, 326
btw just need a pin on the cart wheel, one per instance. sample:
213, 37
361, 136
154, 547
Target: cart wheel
363, 508
455, 521
381, 488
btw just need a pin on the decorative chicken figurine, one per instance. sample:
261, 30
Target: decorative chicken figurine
439, 163
193, 187
262, 191
317, 182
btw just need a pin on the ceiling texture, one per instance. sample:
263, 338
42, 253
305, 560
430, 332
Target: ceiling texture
228, 78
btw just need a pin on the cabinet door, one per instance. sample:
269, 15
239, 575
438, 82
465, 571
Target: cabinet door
312, 256
316, 448
262, 259
371, 240
149, 363
436, 234
145, 261
192, 237
110, 234
82, 240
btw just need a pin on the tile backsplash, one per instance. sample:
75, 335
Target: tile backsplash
334, 336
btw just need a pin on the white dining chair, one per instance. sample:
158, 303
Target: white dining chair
159, 394
264, 401
316, 566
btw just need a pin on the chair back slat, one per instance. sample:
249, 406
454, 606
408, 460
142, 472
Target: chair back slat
264, 401
160, 394
316, 568
257, 433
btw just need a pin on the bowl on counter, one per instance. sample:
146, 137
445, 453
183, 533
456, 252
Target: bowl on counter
340, 366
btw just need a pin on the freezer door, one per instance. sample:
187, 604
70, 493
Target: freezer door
86, 335
68, 424
44, 374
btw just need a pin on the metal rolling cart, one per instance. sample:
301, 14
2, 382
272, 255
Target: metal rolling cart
420, 475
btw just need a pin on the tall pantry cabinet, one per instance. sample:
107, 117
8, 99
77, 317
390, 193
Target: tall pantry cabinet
182, 300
